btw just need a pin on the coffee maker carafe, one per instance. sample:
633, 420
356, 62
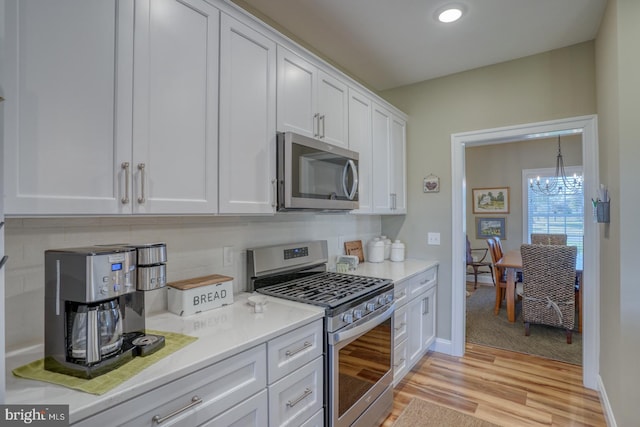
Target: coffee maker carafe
96, 330
93, 312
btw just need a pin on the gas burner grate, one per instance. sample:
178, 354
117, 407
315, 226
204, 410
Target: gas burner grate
325, 289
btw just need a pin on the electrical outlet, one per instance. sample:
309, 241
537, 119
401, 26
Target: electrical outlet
433, 238
227, 256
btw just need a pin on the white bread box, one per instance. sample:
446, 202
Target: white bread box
191, 296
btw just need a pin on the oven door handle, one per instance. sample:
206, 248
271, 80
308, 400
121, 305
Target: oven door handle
357, 330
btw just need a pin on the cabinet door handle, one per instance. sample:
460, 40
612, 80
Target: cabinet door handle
316, 125
400, 327
141, 199
125, 167
425, 308
195, 400
1, 225
321, 134
305, 346
401, 362
307, 392
3, 261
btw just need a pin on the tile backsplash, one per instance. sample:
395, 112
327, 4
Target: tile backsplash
194, 248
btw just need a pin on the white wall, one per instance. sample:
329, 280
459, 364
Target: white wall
194, 246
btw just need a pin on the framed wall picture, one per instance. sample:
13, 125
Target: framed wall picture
431, 184
490, 200
491, 227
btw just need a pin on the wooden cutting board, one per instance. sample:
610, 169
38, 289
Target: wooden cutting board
354, 248
196, 282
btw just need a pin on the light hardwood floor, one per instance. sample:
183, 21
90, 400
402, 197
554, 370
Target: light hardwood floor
503, 387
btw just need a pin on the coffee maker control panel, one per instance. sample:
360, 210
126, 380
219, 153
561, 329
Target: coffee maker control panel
113, 275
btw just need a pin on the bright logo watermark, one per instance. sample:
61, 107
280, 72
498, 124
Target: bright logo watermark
36, 415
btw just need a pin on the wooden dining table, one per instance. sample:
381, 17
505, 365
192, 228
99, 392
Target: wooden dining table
511, 261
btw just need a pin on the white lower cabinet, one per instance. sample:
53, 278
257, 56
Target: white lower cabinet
421, 333
296, 376
400, 362
235, 391
250, 413
298, 396
195, 398
415, 320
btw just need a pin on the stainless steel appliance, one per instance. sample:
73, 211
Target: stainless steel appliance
94, 316
151, 265
313, 175
358, 326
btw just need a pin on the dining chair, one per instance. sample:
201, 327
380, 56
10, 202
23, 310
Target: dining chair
478, 264
549, 276
499, 274
548, 239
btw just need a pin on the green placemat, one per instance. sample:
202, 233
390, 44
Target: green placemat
104, 383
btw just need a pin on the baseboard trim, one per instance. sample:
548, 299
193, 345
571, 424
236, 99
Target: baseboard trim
443, 346
606, 405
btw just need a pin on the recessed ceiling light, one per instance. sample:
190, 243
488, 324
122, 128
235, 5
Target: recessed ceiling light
450, 14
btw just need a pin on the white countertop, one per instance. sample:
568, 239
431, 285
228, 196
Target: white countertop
393, 270
222, 332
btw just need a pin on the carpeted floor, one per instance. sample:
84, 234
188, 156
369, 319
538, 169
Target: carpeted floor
483, 327
426, 414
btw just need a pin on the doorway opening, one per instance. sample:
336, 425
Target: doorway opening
587, 127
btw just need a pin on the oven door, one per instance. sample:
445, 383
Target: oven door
315, 175
360, 367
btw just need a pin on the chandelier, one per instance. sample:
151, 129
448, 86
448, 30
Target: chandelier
560, 183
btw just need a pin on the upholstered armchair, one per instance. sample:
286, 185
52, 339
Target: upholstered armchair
549, 276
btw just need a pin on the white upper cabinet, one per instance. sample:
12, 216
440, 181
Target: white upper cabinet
247, 120
68, 105
398, 164
310, 101
175, 107
100, 124
360, 141
388, 152
381, 155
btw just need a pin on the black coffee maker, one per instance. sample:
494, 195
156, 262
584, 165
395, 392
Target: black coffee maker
94, 315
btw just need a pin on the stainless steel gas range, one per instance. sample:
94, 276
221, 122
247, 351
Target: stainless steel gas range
358, 326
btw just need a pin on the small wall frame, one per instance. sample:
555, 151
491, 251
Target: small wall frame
431, 184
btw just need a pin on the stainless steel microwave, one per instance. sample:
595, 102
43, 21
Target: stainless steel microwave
314, 175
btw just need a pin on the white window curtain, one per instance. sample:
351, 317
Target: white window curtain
561, 213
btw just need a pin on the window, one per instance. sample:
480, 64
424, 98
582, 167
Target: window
562, 213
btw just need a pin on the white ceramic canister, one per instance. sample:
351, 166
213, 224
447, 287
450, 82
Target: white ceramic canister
387, 246
375, 250
397, 251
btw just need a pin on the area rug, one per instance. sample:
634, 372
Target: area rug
420, 413
485, 328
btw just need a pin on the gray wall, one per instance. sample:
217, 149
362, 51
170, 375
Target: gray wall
551, 85
618, 92
501, 165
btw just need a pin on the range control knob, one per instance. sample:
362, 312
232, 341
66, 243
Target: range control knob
382, 300
389, 298
357, 314
371, 306
347, 317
